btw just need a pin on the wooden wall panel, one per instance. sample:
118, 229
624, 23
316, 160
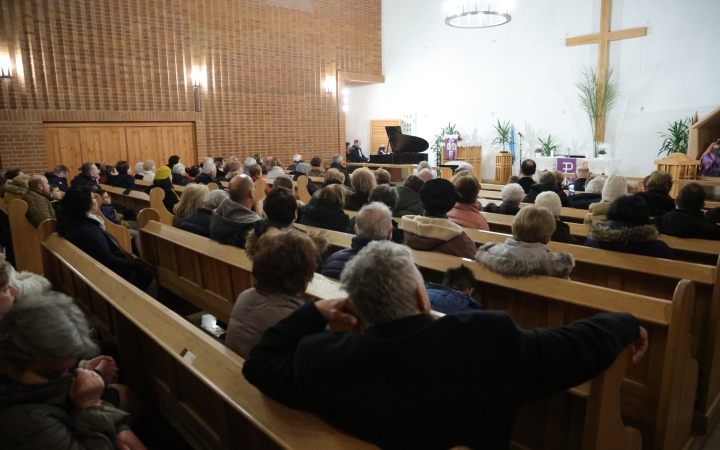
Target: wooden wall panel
104, 144
378, 135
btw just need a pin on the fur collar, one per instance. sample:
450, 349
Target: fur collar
15, 189
429, 227
511, 260
604, 233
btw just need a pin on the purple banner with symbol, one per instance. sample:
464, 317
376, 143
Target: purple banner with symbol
567, 165
451, 148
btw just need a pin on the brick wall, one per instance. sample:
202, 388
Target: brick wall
76, 60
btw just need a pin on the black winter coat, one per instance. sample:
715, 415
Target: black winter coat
198, 222
86, 181
658, 203
580, 184
125, 181
368, 384
61, 182
336, 262
180, 180
562, 233
687, 224
583, 201
323, 213
537, 189
206, 179
507, 208
171, 199
526, 182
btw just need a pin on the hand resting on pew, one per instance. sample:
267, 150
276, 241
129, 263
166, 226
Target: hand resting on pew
640, 346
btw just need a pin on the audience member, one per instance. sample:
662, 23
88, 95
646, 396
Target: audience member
301, 170
172, 161
7, 177
192, 198
139, 171
275, 170
207, 176
582, 175
193, 172
46, 403
220, 166
433, 231
512, 194
87, 232
382, 176
234, 167
592, 194
258, 159
527, 170
58, 177
334, 176
55, 196
551, 202
615, 186
316, 169
179, 175
123, 179
356, 154
113, 215
102, 178
404, 350
248, 164
149, 168
362, 182
88, 176
373, 223
546, 183
296, 160
388, 196
426, 175
161, 179
464, 166
514, 179
287, 182
337, 164
527, 253
423, 165
628, 230
283, 266
17, 188
325, 209
657, 194
688, 220
234, 218
37, 198
466, 211
207, 160
456, 293
409, 203
198, 222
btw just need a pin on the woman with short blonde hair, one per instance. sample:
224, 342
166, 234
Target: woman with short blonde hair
325, 209
333, 176
362, 181
191, 199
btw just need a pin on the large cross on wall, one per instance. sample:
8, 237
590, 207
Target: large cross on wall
603, 38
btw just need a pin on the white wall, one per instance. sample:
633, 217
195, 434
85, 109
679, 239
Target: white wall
523, 72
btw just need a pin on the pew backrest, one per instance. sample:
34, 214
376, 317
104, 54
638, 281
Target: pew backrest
119, 232
302, 190
25, 240
157, 195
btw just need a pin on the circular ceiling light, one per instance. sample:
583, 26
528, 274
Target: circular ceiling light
477, 14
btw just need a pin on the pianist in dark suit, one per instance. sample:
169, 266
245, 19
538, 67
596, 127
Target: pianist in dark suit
356, 155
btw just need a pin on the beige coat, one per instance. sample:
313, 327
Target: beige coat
39, 207
597, 212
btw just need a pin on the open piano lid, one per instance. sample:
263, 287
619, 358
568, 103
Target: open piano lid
403, 143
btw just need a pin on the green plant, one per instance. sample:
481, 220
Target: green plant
502, 133
598, 93
548, 146
676, 138
440, 141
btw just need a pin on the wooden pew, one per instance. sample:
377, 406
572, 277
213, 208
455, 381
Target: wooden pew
119, 232
135, 200
260, 186
212, 275
302, 191
194, 380
26, 244
641, 390
156, 202
570, 215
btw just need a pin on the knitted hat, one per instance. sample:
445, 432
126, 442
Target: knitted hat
302, 168
438, 196
550, 201
615, 187
163, 173
234, 165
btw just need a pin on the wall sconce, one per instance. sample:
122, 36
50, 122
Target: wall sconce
330, 84
198, 78
5, 67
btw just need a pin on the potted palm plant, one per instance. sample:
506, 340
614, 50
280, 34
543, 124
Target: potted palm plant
676, 137
547, 146
502, 134
598, 93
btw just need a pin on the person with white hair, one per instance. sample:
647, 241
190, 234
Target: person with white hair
297, 159
207, 176
149, 167
248, 164
207, 159
615, 186
179, 176
463, 165
198, 222
372, 223
337, 164
592, 194
512, 194
485, 359
423, 165
426, 175
46, 401
139, 170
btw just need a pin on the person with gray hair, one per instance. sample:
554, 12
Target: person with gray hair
44, 402
464, 166
373, 223
150, 168
179, 175
512, 194
207, 160
207, 176
139, 170
337, 164
198, 222
592, 194
248, 164
387, 195
482, 359
89, 174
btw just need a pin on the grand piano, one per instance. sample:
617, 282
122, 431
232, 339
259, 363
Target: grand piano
404, 149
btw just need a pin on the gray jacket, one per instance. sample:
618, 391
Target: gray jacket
253, 314
520, 259
231, 222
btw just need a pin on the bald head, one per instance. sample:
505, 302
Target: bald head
425, 174
242, 190
39, 183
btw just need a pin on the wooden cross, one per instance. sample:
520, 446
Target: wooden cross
604, 38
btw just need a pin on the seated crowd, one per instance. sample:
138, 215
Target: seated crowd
290, 354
